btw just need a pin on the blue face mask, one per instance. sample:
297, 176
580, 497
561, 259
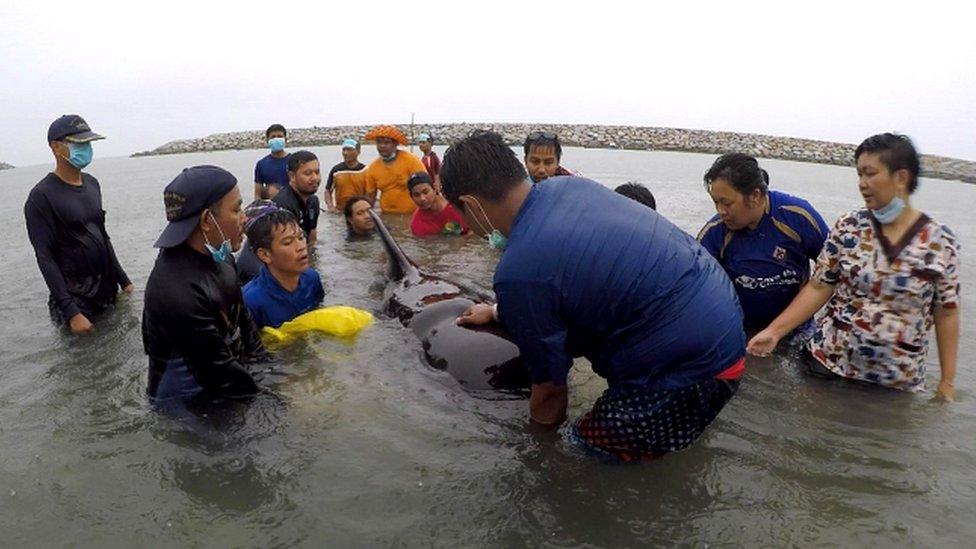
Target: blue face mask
495, 238
218, 254
80, 154
889, 212
276, 144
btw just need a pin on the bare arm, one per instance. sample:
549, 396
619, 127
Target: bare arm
547, 404
811, 298
947, 337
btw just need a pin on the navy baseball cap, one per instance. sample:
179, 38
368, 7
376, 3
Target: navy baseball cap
73, 128
189, 194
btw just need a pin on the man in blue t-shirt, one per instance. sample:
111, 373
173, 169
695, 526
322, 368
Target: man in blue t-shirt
286, 286
764, 239
271, 172
587, 272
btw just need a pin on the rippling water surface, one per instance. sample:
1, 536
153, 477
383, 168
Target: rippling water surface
369, 447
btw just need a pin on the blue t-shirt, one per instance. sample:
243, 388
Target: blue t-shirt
272, 305
768, 265
588, 272
272, 171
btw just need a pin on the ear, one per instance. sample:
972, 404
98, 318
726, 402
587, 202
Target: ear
263, 255
756, 198
206, 222
902, 179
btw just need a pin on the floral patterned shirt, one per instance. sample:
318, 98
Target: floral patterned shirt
875, 326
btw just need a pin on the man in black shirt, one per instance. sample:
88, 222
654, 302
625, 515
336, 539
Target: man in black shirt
66, 227
299, 197
350, 162
195, 328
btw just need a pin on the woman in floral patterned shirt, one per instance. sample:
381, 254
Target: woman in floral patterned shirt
887, 274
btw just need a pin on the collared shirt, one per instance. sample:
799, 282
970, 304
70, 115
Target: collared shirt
875, 326
306, 211
272, 305
588, 272
769, 264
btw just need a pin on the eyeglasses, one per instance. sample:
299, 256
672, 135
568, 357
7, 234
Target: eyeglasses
535, 136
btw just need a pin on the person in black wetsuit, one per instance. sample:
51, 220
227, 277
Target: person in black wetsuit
66, 227
304, 177
195, 328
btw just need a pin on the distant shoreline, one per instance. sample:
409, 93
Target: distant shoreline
642, 138
5, 166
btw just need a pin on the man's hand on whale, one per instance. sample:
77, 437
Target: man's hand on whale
478, 314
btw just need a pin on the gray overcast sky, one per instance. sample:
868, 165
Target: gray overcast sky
143, 73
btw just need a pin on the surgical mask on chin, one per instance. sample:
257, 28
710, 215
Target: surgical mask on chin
889, 212
276, 144
495, 238
389, 158
220, 254
80, 154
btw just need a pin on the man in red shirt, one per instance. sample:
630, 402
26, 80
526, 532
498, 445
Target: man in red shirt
434, 214
430, 159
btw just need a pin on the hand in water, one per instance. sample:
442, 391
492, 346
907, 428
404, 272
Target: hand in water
81, 325
946, 392
762, 343
476, 315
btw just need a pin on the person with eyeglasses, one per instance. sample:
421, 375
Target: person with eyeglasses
620, 285
543, 153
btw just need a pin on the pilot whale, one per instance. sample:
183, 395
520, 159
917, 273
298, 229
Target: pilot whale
480, 358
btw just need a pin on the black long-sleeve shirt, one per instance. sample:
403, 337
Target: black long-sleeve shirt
66, 227
195, 315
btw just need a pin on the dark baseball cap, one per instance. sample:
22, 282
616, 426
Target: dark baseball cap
419, 178
193, 190
73, 128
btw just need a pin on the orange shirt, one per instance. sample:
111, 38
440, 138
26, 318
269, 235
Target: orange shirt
390, 178
348, 183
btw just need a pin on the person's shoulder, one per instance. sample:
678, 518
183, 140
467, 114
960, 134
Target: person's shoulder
255, 290
714, 226
791, 205
42, 188
310, 275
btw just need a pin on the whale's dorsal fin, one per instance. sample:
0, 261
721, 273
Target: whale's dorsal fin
400, 266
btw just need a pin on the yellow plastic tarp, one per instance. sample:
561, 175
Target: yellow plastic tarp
337, 320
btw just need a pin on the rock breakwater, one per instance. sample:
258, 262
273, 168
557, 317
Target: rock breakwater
589, 136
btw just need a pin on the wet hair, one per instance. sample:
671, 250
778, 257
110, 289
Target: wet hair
637, 192
896, 152
347, 209
741, 171
543, 140
481, 164
419, 178
275, 128
260, 232
297, 158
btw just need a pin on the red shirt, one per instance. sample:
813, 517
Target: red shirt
446, 221
433, 164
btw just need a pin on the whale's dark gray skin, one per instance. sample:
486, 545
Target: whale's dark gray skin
480, 358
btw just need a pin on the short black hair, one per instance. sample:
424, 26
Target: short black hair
542, 140
275, 128
741, 171
347, 209
297, 158
260, 231
480, 164
635, 191
896, 152
419, 178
